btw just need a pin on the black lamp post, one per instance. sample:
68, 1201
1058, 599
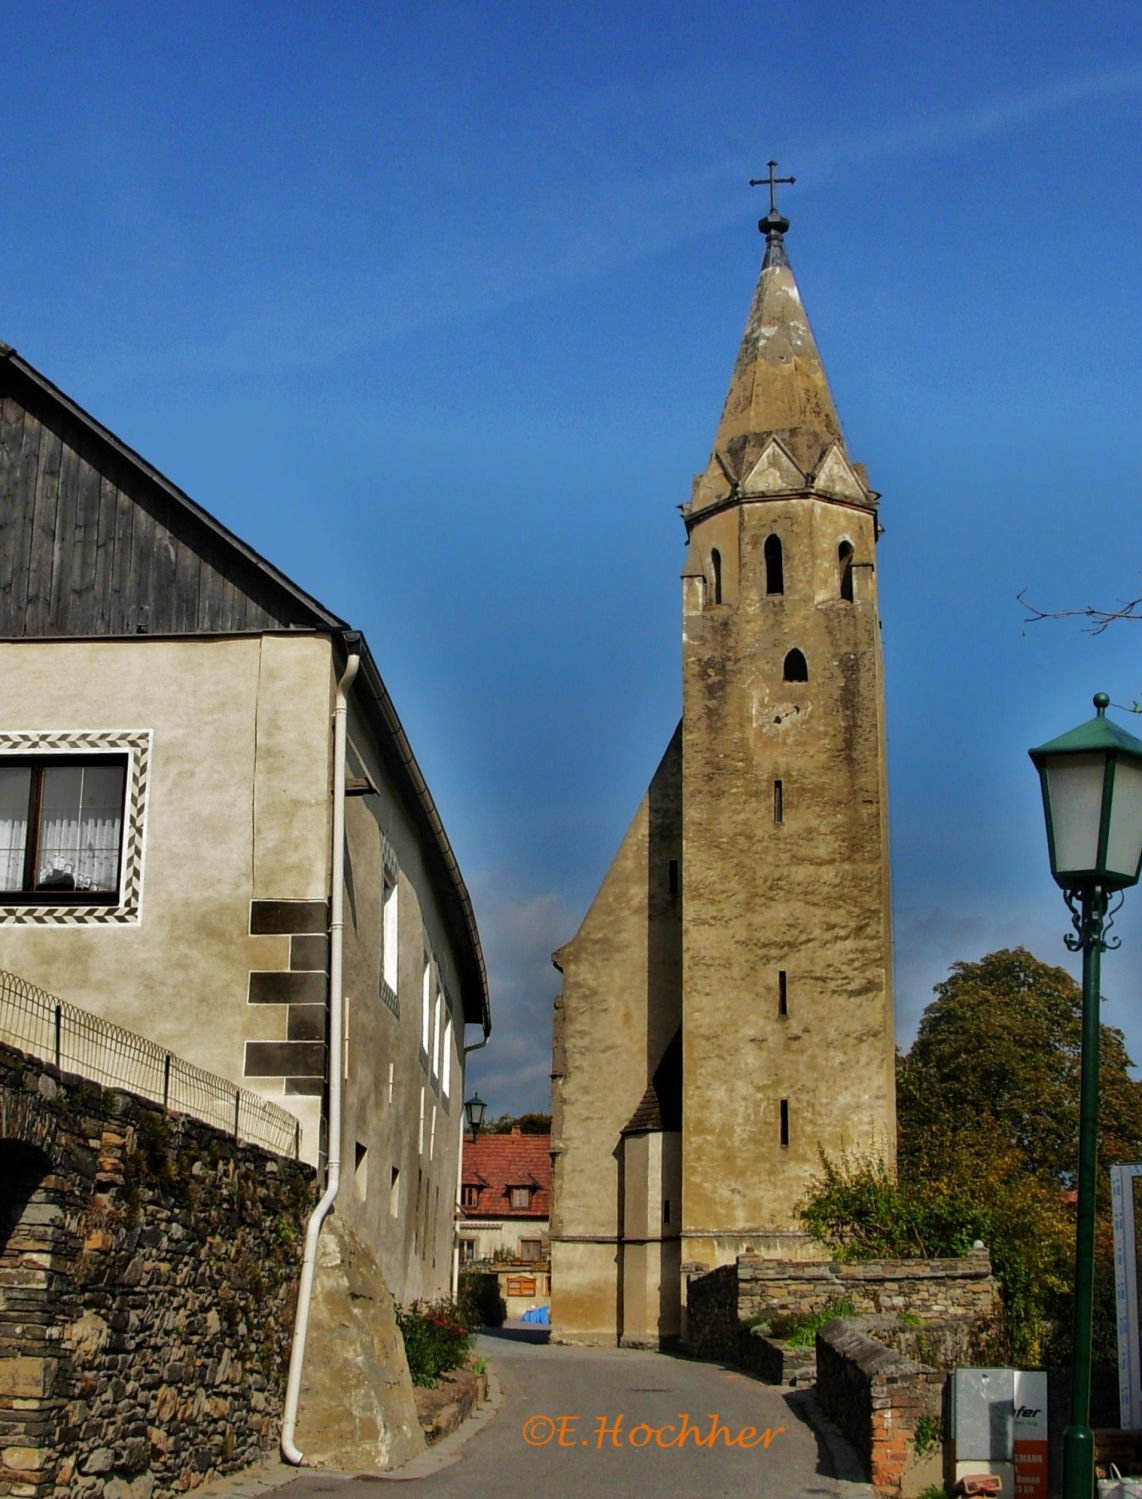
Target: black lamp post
1092, 799
474, 1113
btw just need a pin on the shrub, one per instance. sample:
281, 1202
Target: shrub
799, 1329
480, 1303
435, 1339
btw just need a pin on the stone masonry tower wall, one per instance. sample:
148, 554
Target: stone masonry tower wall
786, 949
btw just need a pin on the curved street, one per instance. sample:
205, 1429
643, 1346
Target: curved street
617, 1423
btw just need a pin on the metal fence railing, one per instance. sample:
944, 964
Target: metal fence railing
77, 1041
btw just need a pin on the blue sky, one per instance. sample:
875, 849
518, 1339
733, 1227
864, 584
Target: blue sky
436, 306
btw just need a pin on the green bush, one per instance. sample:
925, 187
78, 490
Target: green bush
799, 1329
436, 1339
480, 1303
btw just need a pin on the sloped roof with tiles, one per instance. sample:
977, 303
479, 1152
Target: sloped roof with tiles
496, 1163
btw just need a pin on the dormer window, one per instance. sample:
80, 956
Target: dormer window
521, 1198
469, 1196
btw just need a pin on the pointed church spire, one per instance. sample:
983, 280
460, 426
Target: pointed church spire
778, 387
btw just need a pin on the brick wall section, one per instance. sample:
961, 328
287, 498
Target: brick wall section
147, 1289
876, 1396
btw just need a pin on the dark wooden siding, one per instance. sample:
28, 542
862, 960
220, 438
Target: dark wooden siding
92, 545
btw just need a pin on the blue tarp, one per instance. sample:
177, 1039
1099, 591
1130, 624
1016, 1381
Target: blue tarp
538, 1314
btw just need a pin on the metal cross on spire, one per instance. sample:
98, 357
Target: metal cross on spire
771, 182
773, 225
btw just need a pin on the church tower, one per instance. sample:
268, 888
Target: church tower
786, 941
727, 1001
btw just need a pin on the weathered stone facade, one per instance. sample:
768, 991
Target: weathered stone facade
727, 1002
148, 1269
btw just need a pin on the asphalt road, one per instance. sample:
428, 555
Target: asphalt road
620, 1424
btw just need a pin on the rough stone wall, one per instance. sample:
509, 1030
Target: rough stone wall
933, 1290
887, 1406
960, 1291
147, 1284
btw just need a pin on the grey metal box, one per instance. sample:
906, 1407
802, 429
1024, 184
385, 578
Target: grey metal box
983, 1414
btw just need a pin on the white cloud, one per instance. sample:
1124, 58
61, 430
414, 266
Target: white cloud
519, 933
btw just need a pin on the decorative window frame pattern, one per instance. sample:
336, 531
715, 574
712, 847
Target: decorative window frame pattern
136, 745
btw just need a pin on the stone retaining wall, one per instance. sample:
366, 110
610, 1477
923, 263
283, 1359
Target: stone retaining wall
888, 1406
148, 1270
960, 1291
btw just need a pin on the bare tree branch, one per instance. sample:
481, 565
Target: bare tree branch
1100, 619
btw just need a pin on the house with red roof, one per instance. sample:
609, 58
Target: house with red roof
505, 1193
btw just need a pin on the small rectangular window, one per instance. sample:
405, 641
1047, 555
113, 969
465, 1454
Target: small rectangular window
467, 1251
389, 937
438, 1035
673, 877
778, 802
446, 1063
521, 1197
425, 1009
782, 993
530, 1249
360, 1172
394, 1192
785, 1121
469, 1195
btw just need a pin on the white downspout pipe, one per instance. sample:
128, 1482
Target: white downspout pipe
290, 1452
458, 1205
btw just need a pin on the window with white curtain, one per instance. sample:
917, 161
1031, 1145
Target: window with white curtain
61, 827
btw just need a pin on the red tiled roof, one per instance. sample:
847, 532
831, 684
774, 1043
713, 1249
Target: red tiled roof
496, 1163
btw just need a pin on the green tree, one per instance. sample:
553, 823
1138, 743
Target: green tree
528, 1124
997, 1053
987, 1113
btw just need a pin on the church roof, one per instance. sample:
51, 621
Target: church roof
660, 1107
779, 395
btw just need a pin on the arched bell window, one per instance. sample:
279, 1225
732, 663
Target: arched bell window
796, 668
774, 569
845, 570
715, 576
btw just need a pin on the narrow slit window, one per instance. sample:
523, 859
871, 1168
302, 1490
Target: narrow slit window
672, 877
716, 576
796, 667
666, 1210
774, 566
782, 993
785, 1121
845, 570
778, 802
